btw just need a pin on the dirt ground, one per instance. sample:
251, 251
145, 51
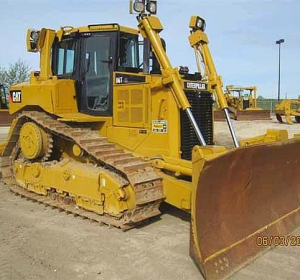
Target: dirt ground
38, 243
246, 129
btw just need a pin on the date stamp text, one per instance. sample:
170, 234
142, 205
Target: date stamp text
283, 241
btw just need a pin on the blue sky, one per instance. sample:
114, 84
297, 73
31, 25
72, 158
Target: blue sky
242, 34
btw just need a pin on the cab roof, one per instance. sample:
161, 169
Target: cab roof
98, 28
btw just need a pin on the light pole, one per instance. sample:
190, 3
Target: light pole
279, 42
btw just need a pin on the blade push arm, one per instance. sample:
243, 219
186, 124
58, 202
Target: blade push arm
199, 42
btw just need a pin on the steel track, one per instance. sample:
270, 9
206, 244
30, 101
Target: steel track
124, 166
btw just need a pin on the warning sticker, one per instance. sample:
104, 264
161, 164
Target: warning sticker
160, 126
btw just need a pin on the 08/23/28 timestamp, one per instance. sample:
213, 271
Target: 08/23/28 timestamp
289, 240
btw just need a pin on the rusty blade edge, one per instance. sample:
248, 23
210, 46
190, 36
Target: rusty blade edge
250, 236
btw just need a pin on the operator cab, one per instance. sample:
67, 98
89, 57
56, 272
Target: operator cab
90, 56
243, 95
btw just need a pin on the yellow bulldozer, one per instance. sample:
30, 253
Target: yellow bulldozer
5, 118
105, 136
242, 103
288, 108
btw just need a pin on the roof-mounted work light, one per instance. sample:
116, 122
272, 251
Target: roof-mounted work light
197, 23
141, 6
152, 7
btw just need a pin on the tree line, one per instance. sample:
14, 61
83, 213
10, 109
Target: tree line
15, 73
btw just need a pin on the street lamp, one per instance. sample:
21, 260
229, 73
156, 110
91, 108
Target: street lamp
279, 42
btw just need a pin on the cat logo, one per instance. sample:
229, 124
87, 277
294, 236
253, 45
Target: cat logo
195, 86
16, 96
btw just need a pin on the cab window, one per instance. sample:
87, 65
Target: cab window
65, 58
129, 52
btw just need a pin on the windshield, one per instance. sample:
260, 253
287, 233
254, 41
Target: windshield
129, 51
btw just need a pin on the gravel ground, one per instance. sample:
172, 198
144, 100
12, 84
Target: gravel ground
3, 133
38, 243
246, 129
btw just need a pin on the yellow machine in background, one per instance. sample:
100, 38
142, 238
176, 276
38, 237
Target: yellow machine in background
242, 102
5, 118
288, 108
100, 137
242, 98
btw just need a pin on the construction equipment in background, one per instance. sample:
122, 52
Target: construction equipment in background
5, 117
218, 114
288, 108
99, 137
242, 102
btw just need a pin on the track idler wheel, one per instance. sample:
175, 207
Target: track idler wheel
35, 142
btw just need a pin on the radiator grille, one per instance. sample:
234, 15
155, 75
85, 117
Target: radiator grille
202, 109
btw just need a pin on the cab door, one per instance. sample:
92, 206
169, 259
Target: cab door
98, 61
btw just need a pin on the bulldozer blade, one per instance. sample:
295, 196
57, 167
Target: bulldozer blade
5, 118
251, 115
242, 202
219, 115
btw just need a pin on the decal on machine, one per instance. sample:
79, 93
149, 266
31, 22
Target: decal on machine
129, 79
195, 86
16, 96
160, 126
